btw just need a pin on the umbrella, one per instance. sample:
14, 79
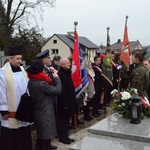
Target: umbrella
147, 54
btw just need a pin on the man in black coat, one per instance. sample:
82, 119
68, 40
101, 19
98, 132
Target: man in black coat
66, 103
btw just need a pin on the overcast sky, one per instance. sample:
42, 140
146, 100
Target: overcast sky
94, 16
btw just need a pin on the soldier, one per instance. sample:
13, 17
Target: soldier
146, 63
56, 62
139, 75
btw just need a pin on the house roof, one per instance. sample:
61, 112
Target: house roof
69, 40
101, 51
118, 45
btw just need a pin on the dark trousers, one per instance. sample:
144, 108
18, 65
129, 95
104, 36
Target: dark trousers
96, 100
16, 139
63, 126
42, 144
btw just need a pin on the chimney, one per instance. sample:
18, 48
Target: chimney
119, 40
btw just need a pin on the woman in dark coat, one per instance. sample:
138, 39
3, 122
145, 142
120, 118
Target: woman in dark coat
42, 91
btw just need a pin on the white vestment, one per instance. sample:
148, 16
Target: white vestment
20, 86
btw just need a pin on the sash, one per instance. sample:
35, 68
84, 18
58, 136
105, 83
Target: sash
11, 97
101, 73
115, 65
98, 69
92, 79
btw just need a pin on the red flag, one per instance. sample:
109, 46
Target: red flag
76, 72
125, 50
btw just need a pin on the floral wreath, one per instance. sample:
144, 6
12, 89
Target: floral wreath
120, 102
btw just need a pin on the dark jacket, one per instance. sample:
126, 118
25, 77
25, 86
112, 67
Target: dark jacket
67, 98
42, 96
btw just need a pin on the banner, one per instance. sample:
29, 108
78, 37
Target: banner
107, 62
84, 76
79, 75
76, 73
125, 50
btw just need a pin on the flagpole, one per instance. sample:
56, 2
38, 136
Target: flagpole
106, 82
126, 20
75, 25
75, 115
108, 41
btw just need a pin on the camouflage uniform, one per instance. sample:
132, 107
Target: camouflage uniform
140, 79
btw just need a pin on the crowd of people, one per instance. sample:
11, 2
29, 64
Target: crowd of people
52, 91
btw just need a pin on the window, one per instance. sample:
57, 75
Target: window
54, 41
54, 51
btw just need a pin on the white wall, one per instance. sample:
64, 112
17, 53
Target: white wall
64, 50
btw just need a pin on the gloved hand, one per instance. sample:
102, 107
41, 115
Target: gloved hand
119, 67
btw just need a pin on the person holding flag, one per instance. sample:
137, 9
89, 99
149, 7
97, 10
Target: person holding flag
107, 72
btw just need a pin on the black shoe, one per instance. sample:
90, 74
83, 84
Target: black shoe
90, 117
87, 119
71, 127
80, 122
102, 106
52, 146
95, 115
71, 140
98, 113
65, 141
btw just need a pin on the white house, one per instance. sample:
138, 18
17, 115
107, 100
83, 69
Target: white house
61, 44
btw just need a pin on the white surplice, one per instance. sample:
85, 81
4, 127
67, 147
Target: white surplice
20, 85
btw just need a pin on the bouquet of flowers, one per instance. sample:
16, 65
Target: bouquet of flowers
120, 102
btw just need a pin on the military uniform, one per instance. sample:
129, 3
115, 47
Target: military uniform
140, 79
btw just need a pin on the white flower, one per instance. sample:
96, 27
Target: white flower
119, 106
135, 91
114, 91
123, 104
125, 95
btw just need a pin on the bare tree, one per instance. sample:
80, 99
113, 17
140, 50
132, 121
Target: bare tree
19, 13
2, 26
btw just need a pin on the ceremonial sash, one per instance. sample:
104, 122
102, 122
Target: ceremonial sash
11, 97
115, 65
100, 71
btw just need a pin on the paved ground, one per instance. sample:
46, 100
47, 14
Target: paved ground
79, 133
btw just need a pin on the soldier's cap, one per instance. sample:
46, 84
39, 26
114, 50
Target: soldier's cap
43, 54
57, 58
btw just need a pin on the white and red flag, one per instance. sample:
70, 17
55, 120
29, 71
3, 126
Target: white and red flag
125, 50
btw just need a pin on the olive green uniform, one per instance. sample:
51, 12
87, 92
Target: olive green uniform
140, 79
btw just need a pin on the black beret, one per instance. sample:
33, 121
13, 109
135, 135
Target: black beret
15, 51
36, 67
43, 54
